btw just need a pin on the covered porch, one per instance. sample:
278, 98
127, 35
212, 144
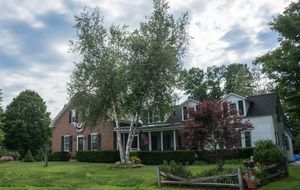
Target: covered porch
154, 138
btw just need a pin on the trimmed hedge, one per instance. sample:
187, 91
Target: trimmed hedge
157, 157
104, 156
59, 156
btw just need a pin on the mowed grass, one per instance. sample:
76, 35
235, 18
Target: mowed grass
94, 176
289, 183
77, 175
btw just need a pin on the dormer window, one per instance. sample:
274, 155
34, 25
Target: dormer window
184, 113
241, 107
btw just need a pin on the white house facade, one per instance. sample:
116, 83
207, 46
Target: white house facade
265, 114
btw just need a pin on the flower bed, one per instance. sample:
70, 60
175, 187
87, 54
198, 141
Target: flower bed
6, 158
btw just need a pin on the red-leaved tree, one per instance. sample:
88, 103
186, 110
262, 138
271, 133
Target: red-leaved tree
214, 126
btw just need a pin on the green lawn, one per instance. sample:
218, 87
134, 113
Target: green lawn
92, 176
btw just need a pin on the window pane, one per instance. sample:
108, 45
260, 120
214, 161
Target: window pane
66, 143
94, 141
248, 139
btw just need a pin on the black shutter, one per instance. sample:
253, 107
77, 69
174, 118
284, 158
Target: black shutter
70, 143
70, 116
89, 142
99, 141
62, 144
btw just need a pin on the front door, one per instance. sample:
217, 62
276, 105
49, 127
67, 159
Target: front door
80, 143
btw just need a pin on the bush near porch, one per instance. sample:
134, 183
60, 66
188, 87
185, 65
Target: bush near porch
104, 156
157, 157
59, 156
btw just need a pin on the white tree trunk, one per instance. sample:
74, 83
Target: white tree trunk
131, 134
119, 144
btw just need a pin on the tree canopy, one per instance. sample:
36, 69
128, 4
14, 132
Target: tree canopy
238, 79
218, 81
27, 123
282, 64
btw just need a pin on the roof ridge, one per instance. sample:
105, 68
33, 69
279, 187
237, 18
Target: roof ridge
262, 94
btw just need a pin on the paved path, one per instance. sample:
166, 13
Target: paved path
296, 163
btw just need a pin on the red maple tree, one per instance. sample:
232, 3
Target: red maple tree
216, 126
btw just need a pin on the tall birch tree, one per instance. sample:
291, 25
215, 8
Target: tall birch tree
123, 73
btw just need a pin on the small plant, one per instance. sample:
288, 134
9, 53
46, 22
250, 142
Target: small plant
28, 157
6, 158
249, 164
252, 173
177, 169
135, 160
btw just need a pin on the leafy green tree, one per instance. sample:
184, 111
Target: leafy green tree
98, 82
261, 82
123, 73
215, 78
193, 83
27, 123
1, 119
282, 64
238, 80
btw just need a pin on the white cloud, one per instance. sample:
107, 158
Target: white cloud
29, 11
8, 45
209, 25
210, 21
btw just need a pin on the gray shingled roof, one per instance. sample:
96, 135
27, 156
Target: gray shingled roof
262, 104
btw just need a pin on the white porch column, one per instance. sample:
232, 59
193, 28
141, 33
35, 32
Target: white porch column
138, 141
161, 141
174, 139
150, 141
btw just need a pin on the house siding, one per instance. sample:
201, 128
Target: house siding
263, 129
63, 127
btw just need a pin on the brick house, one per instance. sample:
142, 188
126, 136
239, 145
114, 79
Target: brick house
263, 111
65, 137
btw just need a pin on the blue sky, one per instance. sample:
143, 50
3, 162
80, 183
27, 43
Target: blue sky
35, 37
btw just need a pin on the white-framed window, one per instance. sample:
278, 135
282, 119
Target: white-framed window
80, 142
94, 141
67, 143
239, 106
73, 116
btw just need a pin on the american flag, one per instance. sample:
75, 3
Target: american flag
144, 138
